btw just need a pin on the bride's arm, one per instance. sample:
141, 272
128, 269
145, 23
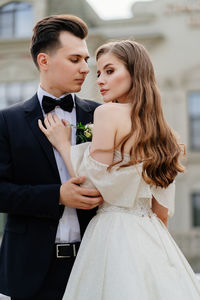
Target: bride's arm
59, 135
104, 132
160, 211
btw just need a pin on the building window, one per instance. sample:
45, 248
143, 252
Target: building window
2, 223
16, 20
13, 92
194, 119
196, 209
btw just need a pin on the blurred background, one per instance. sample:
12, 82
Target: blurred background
170, 30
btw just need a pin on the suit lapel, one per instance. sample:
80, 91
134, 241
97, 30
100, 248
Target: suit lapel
33, 112
84, 112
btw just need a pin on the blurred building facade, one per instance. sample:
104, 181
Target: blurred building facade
170, 30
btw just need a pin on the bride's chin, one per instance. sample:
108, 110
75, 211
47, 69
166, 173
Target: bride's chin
106, 100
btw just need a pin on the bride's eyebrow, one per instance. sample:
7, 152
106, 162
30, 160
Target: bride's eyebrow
107, 65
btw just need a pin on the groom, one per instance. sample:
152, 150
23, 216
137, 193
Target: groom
47, 212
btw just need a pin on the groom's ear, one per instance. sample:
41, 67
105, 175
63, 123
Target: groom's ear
43, 61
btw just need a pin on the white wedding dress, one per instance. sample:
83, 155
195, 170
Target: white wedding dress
127, 253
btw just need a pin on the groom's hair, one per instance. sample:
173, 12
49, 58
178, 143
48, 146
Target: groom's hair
46, 33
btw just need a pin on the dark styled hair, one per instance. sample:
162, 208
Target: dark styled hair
155, 144
46, 33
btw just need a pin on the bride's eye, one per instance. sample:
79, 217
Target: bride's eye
109, 71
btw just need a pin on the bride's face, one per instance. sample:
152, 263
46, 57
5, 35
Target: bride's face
114, 80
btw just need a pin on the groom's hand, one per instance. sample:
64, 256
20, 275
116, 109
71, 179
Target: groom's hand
72, 195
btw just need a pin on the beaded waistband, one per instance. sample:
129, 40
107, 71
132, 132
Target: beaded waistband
141, 209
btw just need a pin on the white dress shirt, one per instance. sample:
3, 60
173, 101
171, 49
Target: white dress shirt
68, 229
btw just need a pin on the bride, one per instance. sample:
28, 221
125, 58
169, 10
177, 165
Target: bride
127, 252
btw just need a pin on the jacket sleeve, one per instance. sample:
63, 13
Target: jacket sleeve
40, 201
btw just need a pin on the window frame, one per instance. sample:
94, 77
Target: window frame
195, 223
192, 119
14, 24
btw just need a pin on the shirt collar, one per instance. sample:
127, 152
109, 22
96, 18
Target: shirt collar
41, 93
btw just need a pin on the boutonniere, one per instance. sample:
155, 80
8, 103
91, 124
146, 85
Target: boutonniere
84, 132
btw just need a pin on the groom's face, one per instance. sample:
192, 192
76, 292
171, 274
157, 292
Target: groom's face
66, 67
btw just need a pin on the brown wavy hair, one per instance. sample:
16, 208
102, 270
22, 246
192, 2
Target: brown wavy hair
155, 143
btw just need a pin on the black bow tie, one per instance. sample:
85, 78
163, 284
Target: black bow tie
49, 104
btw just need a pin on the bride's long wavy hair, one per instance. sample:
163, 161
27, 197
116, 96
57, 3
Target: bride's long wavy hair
155, 144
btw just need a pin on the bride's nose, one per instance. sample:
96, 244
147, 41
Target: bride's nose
100, 80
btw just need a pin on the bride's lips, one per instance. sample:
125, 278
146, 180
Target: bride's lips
103, 91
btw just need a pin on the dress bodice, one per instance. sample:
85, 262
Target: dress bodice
141, 207
122, 189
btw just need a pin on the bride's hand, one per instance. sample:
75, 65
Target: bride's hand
58, 132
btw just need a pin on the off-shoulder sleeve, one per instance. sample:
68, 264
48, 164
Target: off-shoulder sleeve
165, 197
118, 187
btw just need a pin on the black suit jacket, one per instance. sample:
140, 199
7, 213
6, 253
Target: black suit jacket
29, 194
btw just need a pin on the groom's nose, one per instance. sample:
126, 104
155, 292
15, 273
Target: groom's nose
84, 68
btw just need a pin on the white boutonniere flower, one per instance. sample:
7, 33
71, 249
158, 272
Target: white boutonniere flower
84, 132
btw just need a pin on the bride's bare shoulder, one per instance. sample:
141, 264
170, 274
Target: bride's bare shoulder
109, 108
106, 106
107, 113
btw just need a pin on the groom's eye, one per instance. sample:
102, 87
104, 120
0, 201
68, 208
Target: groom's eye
74, 60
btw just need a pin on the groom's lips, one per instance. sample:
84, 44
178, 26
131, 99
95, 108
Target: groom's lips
81, 80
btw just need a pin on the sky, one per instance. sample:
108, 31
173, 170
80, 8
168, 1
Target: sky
113, 9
